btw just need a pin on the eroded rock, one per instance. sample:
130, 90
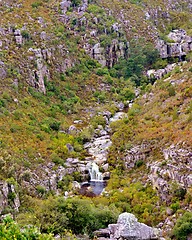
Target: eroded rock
129, 228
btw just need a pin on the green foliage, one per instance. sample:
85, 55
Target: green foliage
139, 163
36, 4
134, 110
11, 196
171, 90
160, 63
9, 230
183, 226
135, 197
100, 95
25, 34
78, 215
140, 57
127, 94
55, 125
92, 8
102, 71
86, 135
64, 184
76, 3
41, 190
98, 120
179, 193
135, 1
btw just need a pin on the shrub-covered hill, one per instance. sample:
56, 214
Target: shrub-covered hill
66, 68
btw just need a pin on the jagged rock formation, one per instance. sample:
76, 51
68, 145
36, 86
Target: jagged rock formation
109, 56
136, 153
128, 227
8, 197
38, 60
41, 73
181, 44
160, 73
173, 174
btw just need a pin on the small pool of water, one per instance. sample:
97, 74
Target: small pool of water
97, 186
94, 187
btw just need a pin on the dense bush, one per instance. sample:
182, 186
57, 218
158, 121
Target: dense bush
183, 226
81, 216
140, 57
9, 230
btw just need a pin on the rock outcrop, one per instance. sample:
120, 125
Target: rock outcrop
173, 175
110, 55
41, 73
129, 228
180, 44
8, 197
158, 74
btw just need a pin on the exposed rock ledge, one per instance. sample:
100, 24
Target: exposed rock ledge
179, 46
129, 228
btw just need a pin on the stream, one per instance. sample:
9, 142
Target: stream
98, 151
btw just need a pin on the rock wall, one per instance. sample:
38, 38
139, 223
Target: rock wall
33, 64
180, 44
110, 55
136, 153
106, 55
8, 197
158, 74
173, 173
170, 174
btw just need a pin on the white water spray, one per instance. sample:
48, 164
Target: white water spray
94, 172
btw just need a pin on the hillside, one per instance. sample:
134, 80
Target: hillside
103, 82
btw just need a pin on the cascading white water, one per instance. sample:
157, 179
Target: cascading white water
94, 172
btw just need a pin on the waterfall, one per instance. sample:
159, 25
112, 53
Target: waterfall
180, 53
94, 172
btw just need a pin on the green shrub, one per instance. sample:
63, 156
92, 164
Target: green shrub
127, 94
92, 8
183, 226
139, 163
86, 135
25, 34
175, 206
56, 159
55, 125
36, 4
171, 90
76, 3
98, 120
180, 193
41, 190
102, 71
10, 230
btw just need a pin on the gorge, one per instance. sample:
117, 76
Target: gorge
95, 119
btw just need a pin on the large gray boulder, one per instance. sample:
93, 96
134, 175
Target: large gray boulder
129, 228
